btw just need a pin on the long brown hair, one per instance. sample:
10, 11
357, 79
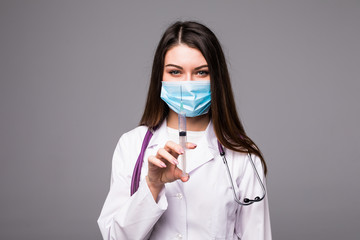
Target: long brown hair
227, 125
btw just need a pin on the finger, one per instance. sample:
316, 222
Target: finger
173, 148
185, 178
157, 162
190, 145
162, 153
178, 174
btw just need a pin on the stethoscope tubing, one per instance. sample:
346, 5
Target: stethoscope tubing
246, 200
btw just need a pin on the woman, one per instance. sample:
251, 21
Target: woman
167, 204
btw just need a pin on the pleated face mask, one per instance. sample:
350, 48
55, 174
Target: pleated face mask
195, 96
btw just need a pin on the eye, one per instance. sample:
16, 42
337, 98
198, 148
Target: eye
174, 72
203, 73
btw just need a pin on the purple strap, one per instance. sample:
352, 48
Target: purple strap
137, 170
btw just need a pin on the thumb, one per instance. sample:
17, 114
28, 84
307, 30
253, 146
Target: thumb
179, 175
185, 178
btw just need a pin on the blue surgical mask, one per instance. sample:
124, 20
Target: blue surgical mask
194, 95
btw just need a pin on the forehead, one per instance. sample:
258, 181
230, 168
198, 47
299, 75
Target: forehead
182, 54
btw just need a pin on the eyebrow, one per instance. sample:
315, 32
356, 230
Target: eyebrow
173, 65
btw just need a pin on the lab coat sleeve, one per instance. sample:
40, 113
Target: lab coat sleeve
253, 221
122, 216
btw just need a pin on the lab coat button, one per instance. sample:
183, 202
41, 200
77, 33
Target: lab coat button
179, 195
179, 236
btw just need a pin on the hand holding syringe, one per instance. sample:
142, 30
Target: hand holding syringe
169, 163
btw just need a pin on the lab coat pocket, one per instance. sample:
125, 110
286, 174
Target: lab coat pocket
223, 213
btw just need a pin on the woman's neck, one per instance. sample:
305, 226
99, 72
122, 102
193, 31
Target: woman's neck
199, 123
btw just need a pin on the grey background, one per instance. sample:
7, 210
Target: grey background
74, 77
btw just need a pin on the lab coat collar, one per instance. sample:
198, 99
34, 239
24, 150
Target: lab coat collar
204, 152
159, 136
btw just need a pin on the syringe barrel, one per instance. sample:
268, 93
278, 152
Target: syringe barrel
182, 158
182, 141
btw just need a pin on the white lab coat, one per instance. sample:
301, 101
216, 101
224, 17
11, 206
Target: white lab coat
202, 208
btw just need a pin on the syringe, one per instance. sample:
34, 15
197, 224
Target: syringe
182, 136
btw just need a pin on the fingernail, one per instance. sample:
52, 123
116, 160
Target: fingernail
181, 151
163, 164
175, 161
194, 145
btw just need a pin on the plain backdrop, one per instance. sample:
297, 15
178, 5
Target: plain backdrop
74, 77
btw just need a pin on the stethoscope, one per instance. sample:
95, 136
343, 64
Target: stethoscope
137, 171
247, 201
